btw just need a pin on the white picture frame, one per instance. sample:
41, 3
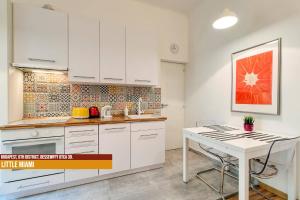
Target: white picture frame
251, 80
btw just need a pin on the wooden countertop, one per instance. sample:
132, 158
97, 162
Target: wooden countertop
79, 122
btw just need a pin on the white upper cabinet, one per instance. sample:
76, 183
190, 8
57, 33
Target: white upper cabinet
142, 55
92, 51
84, 49
40, 38
112, 53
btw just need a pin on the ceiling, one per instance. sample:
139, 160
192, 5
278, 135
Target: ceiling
184, 6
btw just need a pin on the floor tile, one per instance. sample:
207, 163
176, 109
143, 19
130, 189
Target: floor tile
160, 184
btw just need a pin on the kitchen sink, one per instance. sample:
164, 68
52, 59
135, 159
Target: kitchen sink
146, 116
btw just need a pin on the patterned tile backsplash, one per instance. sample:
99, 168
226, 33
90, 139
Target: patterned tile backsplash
51, 95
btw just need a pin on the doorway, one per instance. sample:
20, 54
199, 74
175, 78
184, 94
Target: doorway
172, 100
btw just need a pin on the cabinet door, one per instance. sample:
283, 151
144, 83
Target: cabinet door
83, 49
147, 148
115, 139
142, 59
81, 140
77, 174
112, 53
40, 38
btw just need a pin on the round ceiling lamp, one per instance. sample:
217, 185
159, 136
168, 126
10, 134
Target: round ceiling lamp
226, 20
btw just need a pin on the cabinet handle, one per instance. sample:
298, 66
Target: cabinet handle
86, 77
85, 152
108, 129
88, 130
80, 142
41, 60
10, 142
81, 135
149, 135
140, 80
32, 185
114, 79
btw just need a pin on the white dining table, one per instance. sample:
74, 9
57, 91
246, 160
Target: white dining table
239, 144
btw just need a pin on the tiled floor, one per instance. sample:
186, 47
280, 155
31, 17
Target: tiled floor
161, 184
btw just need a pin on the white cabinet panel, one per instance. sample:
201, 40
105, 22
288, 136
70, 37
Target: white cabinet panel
115, 139
81, 140
147, 147
30, 184
142, 55
144, 126
40, 38
32, 133
81, 137
112, 53
77, 174
84, 49
83, 150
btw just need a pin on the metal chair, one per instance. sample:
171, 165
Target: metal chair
225, 165
226, 161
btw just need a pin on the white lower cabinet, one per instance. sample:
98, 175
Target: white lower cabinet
132, 145
29, 184
115, 139
147, 144
81, 140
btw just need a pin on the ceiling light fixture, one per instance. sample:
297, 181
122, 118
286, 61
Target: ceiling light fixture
226, 20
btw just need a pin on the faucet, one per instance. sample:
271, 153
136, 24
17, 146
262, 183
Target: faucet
140, 111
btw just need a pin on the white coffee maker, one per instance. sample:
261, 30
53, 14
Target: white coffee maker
106, 111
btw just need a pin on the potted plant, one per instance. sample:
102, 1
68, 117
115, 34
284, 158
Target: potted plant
248, 123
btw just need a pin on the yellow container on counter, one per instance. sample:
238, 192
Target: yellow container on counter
80, 113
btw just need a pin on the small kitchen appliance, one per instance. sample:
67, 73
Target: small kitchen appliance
94, 112
80, 113
106, 112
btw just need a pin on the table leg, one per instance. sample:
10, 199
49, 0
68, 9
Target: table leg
292, 181
243, 178
185, 159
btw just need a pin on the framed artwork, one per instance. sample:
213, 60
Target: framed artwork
256, 79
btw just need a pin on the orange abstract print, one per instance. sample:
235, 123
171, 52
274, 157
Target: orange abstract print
254, 79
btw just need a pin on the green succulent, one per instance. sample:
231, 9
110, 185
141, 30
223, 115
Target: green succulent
249, 120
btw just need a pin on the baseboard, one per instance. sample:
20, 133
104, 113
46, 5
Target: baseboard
273, 190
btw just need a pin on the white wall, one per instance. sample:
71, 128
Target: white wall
15, 94
5, 56
174, 29
170, 25
208, 76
